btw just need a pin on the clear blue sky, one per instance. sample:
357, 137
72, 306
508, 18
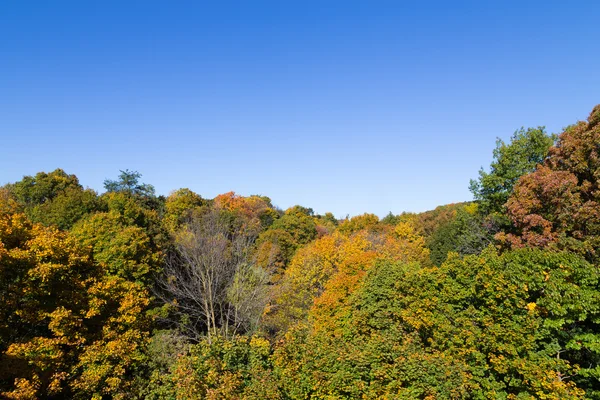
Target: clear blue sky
341, 106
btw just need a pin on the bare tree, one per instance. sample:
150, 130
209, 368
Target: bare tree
209, 281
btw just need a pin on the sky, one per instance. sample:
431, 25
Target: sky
342, 106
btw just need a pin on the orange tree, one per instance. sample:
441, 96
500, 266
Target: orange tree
559, 203
340, 261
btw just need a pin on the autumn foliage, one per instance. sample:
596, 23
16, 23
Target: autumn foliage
559, 203
132, 295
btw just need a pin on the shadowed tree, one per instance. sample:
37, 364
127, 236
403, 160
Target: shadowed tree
209, 280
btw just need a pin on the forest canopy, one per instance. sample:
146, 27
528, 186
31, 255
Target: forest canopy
133, 295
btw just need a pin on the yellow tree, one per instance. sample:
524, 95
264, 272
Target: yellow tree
337, 263
68, 327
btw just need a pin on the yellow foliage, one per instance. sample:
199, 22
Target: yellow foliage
25, 389
328, 269
90, 322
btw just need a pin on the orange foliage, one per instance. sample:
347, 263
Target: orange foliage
251, 206
326, 271
559, 203
357, 256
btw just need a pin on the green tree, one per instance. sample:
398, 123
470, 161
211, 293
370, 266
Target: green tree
466, 233
518, 325
54, 198
180, 206
527, 149
123, 249
223, 369
391, 219
276, 246
129, 182
299, 223
43, 187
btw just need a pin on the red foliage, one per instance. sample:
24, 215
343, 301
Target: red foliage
560, 201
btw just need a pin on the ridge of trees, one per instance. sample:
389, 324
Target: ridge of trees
130, 295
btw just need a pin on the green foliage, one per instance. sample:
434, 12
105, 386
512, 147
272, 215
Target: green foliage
367, 353
329, 218
276, 246
66, 208
519, 316
129, 182
298, 223
336, 262
164, 349
121, 249
239, 368
127, 240
518, 325
256, 303
274, 249
466, 233
43, 187
54, 198
527, 149
67, 329
136, 211
428, 222
391, 219
247, 296
180, 206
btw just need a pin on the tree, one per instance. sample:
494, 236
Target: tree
43, 187
525, 321
518, 325
326, 224
68, 328
257, 209
276, 246
122, 249
42, 274
365, 351
359, 222
127, 239
527, 149
391, 219
559, 203
180, 206
274, 250
428, 222
129, 182
340, 261
466, 233
209, 280
54, 198
299, 223
224, 369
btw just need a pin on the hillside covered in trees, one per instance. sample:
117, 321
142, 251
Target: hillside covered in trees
130, 295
